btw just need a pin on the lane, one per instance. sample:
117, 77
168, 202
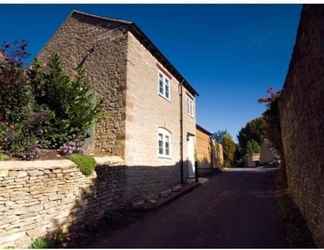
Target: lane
236, 208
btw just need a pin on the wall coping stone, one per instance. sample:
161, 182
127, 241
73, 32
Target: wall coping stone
60, 163
44, 164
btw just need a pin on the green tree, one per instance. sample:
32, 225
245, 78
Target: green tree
70, 105
253, 147
15, 94
253, 130
229, 149
219, 135
16, 103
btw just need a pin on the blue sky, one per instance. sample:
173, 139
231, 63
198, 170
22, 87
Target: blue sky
230, 53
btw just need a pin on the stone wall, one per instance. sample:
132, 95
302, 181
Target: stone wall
205, 149
101, 47
41, 197
302, 120
147, 111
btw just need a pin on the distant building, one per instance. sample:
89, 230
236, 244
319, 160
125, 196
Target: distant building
206, 155
268, 153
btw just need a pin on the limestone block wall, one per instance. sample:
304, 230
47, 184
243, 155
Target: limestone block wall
38, 198
302, 120
146, 111
101, 47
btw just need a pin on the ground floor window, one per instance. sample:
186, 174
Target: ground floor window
164, 142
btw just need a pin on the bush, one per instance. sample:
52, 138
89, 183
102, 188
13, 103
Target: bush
16, 98
42, 243
253, 130
42, 106
71, 105
20, 142
16, 104
4, 157
229, 151
72, 147
252, 147
85, 163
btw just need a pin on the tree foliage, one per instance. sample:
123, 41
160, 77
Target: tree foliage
16, 103
219, 135
70, 104
41, 107
272, 119
253, 130
229, 150
252, 147
15, 93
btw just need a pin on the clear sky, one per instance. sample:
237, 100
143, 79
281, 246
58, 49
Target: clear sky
230, 54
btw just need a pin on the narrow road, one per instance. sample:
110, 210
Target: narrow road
235, 209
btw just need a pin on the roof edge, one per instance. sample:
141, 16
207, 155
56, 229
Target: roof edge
149, 45
203, 129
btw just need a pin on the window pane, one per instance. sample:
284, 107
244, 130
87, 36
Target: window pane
167, 145
192, 108
188, 109
160, 144
161, 90
166, 88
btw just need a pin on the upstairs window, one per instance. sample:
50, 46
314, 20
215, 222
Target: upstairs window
164, 143
190, 106
164, 86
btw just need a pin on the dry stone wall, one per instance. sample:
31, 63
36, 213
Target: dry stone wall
302, 120
37, 198
41, 197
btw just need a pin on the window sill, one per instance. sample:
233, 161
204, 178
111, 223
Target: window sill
191, 116
163, 157
168, 99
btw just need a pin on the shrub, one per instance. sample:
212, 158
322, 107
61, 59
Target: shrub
3, 157
71, 105
16, 104
272, 118
253, 130
252, 147
71, 147
85, 163
229, 150
15, 93
42, 106
42, 243
20, 142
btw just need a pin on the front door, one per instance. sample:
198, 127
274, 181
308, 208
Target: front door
191, 155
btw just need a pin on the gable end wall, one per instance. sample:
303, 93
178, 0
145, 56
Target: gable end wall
102, 47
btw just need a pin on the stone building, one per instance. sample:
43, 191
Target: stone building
205, 150
149, 107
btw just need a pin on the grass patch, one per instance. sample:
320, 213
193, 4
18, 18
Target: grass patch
4, 157
85, 163
297, 232
42, 243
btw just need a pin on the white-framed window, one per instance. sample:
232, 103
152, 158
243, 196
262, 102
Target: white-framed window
190, 106
164, 88
164, 143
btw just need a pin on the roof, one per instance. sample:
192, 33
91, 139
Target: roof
203, 130
140, 35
